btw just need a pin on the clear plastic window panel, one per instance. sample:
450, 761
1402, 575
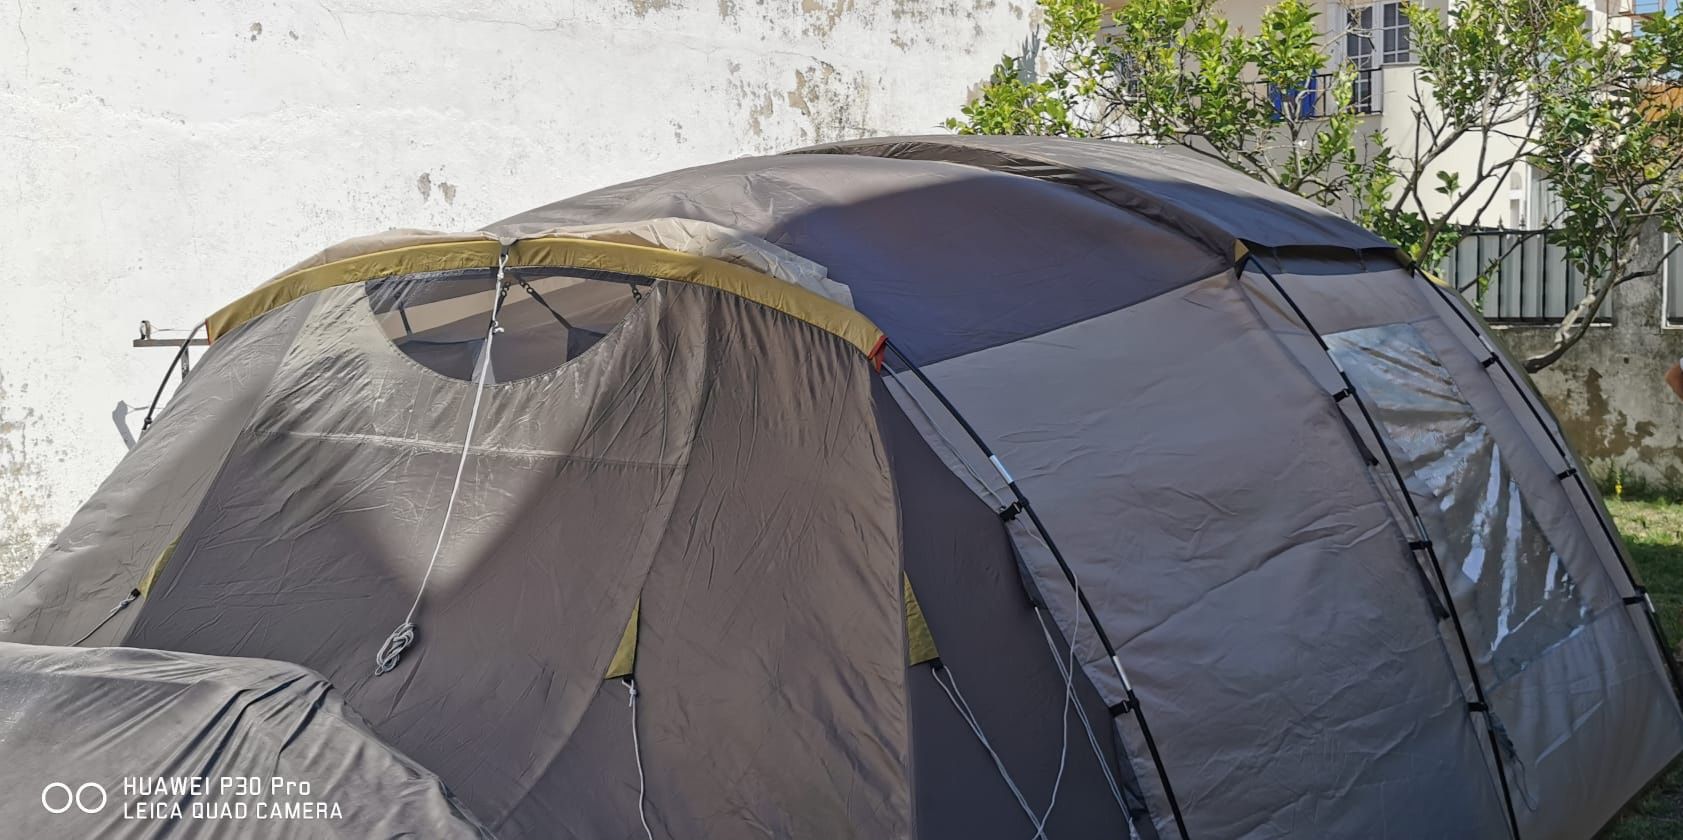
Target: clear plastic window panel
1510, 587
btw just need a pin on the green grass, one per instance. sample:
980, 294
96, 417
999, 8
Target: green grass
1654, 532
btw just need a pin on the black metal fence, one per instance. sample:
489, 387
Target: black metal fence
1516, 276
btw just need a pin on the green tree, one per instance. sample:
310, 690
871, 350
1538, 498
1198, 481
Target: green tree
1499, 84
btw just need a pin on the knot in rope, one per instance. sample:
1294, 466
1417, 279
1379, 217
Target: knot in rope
392, 651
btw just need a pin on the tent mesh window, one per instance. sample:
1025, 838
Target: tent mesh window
548, 318
1505, 575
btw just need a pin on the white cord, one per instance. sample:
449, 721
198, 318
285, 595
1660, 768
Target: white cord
467, 439
1063, 725
1068, 672
963, 707
1087, 724
404, 636
637, 750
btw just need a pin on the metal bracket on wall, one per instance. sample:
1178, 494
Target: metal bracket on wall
146, 339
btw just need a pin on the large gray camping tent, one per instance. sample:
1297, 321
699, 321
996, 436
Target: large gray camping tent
759, 499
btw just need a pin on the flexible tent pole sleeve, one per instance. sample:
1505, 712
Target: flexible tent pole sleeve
1423, 543
1022, 505
1639, 593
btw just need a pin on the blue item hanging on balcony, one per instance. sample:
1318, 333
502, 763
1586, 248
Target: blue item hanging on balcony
1306, 98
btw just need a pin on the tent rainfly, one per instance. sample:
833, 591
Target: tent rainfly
945, 487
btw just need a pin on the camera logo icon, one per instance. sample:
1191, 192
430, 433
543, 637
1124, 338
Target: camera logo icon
59, 797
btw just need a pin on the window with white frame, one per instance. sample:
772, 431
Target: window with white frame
1672, 275
1378, 34
1375, 34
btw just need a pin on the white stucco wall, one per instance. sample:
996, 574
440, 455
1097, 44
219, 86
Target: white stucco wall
158, 158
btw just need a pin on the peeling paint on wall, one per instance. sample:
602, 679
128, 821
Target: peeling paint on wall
824, 15
25, 488
644, 7
1608, 392
835, 106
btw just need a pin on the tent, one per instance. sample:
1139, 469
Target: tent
945, 487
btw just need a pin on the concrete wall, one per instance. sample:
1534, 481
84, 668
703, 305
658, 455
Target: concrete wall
1608, 392
159, 158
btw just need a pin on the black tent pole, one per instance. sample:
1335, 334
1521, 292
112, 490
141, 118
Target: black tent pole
1423, 541
1022, 505
1569, 471
180, 359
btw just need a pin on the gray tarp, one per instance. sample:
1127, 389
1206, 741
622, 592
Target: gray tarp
138, 734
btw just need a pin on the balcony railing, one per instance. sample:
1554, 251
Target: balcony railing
1314, 99
1515, 276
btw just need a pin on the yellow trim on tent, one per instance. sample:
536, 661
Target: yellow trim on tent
554, 252
920, 643
151, 577
1433, 277
625, 656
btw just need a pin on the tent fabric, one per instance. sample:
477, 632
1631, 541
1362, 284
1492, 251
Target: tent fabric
995, 648
1489, 486
712, 479
1449, 391
124, 720
705, 239
1222, 586
112, 544
1215, 205
675, 469
1022, 257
